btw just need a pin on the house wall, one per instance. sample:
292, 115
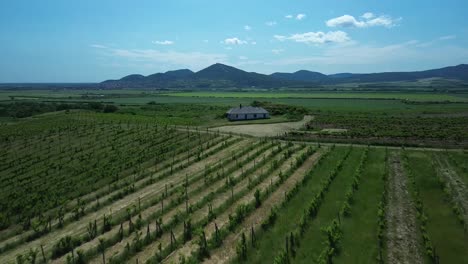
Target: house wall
247, 116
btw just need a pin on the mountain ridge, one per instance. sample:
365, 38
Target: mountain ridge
224, 76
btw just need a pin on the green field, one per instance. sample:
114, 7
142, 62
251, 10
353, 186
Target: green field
130, 187
233, 132
441, 222
329, 95
290, 213
413, 119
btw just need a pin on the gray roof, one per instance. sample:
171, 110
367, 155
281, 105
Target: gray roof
247, 110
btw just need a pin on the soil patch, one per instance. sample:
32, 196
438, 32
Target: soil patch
265, 130
402, 230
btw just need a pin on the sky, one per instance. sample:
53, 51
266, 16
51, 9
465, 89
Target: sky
95, 40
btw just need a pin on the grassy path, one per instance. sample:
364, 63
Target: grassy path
456, 187
362, 225
312, 240
459, 160
447, 235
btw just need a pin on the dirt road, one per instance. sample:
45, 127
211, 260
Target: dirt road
264, 130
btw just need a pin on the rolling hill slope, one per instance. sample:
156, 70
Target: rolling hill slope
223, 76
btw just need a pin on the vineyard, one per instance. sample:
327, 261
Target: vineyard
83, 187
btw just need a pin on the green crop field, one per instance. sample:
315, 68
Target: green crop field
329, 95
142, 177
126, 188
233, 132
411, 119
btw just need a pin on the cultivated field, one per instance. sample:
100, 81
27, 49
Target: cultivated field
413, 119
328, 95
81, 187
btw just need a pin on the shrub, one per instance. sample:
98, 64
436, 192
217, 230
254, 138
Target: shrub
63, 246
258, 202
110, 109
241, 248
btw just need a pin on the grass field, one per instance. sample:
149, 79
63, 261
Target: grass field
127, 188
412, 119
323, 102
311, 244
105, 94
328, 95
441, 223
361, 225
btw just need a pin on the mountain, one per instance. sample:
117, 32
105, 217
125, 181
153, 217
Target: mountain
220, 71
217, 75
223, 76
162, 80
302, 75
340, 75
133, 78
459, 72
184, 73
234, 76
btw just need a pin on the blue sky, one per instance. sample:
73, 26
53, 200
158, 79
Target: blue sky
94, 40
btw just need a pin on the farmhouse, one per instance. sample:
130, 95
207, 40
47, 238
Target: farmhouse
247, 113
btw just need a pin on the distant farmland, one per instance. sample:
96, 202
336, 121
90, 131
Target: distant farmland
328, 95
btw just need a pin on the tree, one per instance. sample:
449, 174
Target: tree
110, 109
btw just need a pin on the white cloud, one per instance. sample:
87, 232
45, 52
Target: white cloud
385, 21
357, 57
277, 51
253, 43
316, 37
234, 41
435, 41
270, 23
368, 15
280, 37
369, 21
194, 60
356, 54
300, 16
164, 42
98, 46
247, 27
345, 21
243, 58
206, 41
448, 37
297, 17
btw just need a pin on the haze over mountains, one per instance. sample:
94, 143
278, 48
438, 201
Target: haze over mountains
224, 76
